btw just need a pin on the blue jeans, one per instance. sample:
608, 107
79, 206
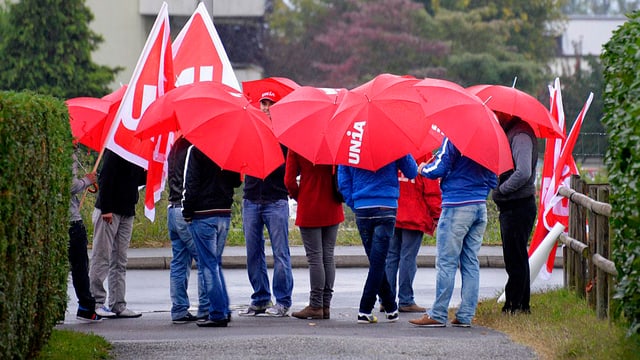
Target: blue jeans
210, 235
275, 216
458, 240
375, 226
184, 252
401, 263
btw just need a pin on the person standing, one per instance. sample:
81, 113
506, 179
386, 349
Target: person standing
265, 203
319, 215
465, 187
183, 248
516, 201
418, 213
112, 218
206, 207
78, 257
373, 197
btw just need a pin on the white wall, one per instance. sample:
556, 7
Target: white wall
591, 33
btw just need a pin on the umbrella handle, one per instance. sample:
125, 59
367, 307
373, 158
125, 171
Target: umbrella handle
93, 188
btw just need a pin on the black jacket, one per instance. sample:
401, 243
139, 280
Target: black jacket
118, 185
176, 160
208, 190
269, 190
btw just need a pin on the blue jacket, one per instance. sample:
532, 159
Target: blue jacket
365, 188
462, 180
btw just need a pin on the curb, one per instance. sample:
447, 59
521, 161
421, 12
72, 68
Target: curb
300, 261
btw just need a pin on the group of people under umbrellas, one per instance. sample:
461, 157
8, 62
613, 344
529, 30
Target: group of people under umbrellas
362, 152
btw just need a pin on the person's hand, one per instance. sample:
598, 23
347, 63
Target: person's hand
108, 218
91, 176
421, 166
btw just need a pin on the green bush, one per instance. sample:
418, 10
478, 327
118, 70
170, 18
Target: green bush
35, 158
621, 59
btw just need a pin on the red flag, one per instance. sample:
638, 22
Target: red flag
558, 167
198, 55
152, 77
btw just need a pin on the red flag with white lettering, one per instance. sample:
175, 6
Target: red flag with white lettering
558, 167
152, 77
199, 54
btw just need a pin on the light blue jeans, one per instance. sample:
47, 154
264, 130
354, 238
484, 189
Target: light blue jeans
401, 263
184, 253
458, 240
275, 216
210, 235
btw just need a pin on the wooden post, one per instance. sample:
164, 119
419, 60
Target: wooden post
602, 248
569, 274
581, 220
592, 239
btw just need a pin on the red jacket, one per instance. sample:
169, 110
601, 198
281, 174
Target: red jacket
317, 205
419, 205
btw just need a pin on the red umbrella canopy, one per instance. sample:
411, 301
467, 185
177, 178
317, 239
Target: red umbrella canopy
470, 125
228, 129
377, 123
512, 101
300, 121
160, 117
273, 88
90, 118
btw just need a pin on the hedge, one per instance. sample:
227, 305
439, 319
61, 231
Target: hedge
35, 179
621, 60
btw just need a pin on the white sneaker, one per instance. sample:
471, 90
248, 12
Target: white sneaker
126, 313
278, 310
104, 312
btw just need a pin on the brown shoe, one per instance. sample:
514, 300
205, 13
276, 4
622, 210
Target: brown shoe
309, 312
427, 321
381, 308
412, 308
326, 313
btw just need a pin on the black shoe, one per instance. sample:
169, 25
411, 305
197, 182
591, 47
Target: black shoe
213, 323
185, 319
87, 316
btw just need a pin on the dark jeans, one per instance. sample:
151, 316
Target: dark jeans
376, 230
80, 264
516, 223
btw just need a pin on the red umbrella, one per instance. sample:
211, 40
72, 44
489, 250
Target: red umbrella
90, 118
225, 127
470, 125
273, 87
377, 123
160, 118
300, 121
512, 101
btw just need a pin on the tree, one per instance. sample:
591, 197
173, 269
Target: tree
47, 47
576, 87
350, 42
480, 53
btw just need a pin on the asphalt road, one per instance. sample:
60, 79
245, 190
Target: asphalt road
153, 336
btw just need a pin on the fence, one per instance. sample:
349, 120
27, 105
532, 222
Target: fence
588, 271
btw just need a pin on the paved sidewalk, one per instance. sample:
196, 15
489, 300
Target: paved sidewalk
346, 256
